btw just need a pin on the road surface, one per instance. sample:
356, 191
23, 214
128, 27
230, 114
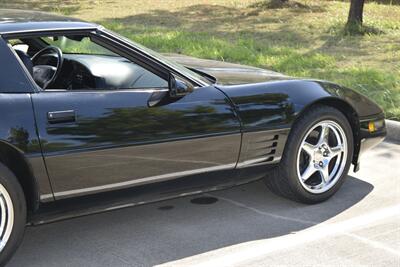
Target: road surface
242, 226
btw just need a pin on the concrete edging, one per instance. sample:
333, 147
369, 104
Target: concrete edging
393, 131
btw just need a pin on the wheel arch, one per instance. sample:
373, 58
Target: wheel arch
348, 111
12, 158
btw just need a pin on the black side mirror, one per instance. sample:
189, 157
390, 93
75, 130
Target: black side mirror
178, 87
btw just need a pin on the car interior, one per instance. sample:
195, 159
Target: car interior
78, 63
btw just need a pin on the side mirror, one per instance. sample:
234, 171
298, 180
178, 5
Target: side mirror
178, 87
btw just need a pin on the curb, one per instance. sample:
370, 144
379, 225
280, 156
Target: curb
393, 131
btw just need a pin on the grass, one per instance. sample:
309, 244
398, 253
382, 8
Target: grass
305, 39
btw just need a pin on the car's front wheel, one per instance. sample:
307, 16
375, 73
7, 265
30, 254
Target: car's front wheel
12, 214
317, 156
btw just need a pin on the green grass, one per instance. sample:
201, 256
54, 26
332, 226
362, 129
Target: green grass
380, 85
307, 39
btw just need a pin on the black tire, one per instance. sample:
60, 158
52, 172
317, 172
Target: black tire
16, 194
283, 180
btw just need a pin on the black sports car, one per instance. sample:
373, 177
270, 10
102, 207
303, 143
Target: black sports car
91, 121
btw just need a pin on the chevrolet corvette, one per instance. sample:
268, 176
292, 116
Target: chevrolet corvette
92, 121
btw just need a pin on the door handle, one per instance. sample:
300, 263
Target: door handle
61, 116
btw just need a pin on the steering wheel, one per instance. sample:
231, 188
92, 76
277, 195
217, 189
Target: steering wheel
44, 75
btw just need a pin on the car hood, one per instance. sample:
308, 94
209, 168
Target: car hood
228, 73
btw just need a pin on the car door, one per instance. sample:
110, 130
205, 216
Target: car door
99, 140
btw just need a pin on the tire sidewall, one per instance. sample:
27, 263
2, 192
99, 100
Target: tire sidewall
295, 139
11, 184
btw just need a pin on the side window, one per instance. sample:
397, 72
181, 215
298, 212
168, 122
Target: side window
76, 62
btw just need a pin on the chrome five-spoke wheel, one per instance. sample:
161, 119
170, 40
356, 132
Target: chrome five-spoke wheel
6, 217
317, 156
322, 157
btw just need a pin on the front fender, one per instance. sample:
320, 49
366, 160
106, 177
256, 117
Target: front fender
268, 110
277, 103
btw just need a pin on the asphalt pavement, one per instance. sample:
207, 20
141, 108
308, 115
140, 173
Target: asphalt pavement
242, 226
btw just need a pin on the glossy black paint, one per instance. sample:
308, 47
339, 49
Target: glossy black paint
12, 78
276, 104
144, 194
117, 140
77, 143
19, 145
247, 85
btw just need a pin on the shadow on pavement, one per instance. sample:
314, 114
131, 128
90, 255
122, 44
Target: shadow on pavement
170, 230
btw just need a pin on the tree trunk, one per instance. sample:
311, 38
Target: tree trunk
356, 12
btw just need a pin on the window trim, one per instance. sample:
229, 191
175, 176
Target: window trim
137, 50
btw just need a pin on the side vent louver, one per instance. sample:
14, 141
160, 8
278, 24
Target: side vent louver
265, 148
261, 150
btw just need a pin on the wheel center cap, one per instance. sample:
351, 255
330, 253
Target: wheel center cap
318, 156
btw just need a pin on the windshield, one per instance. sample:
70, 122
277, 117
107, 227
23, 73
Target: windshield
187, 72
